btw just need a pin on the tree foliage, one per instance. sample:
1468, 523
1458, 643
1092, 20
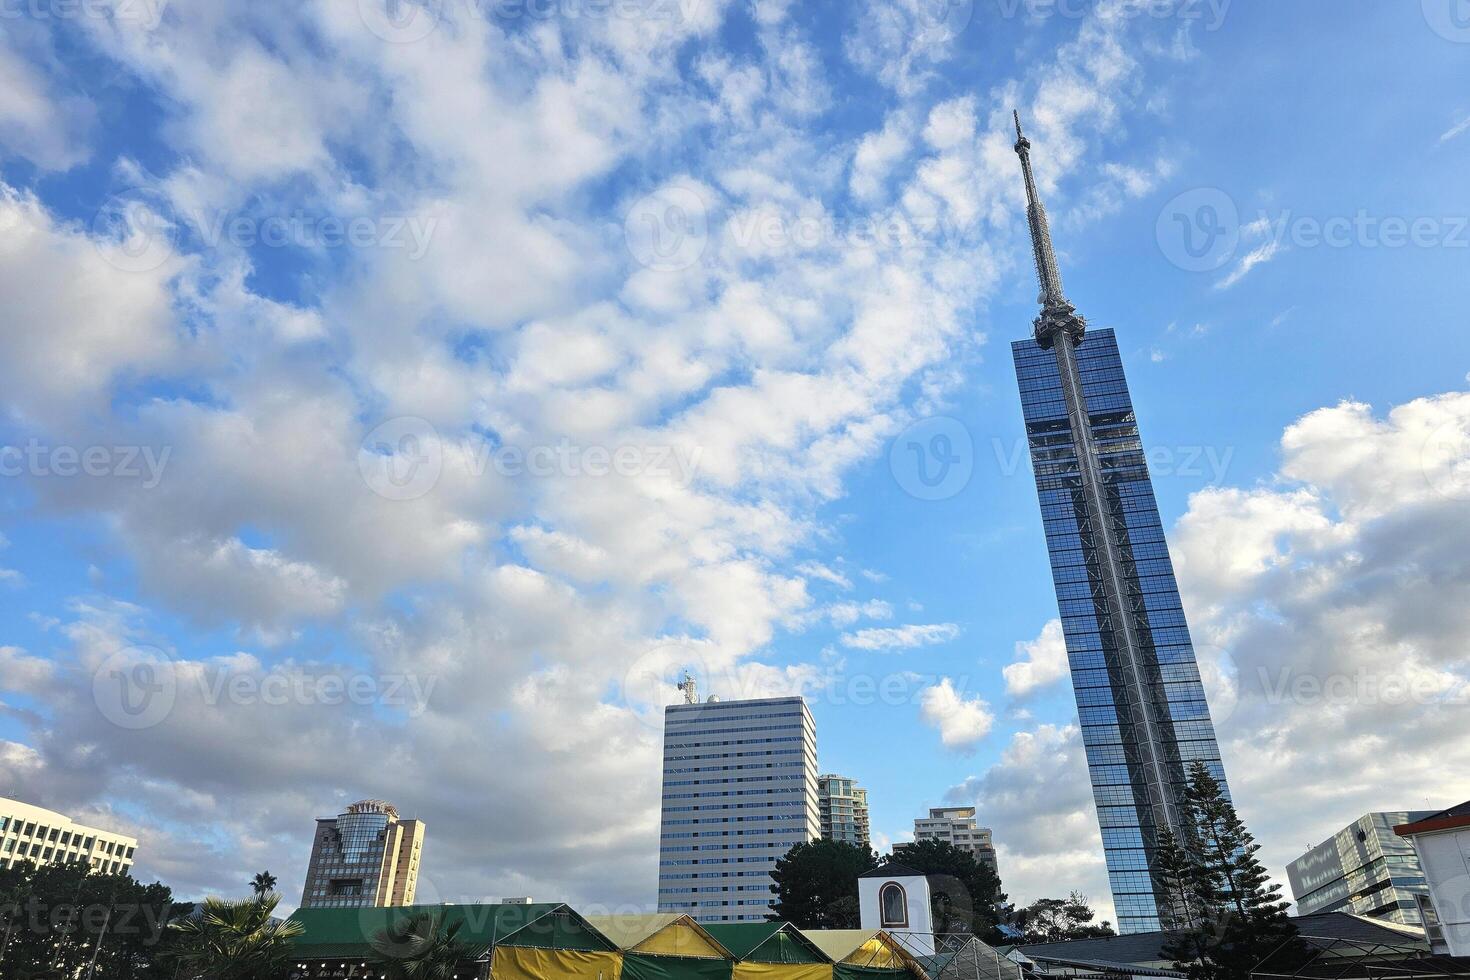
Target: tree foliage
66, 920
816, 884
965, 893
419, 947
1222, 915
234, 940
1054, 920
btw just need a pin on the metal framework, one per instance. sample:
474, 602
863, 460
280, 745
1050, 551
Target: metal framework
1314, 958
1060, 328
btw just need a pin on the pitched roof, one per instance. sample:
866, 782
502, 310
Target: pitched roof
1450, 819
891, 869
332, 933
864, 947
766, 942
666, 933
1145, 948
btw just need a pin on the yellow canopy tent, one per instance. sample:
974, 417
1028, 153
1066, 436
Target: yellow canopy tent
660, 934
864, 953
665, 946
771, 951
563, 947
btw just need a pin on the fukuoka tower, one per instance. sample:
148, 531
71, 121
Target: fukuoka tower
1139, 700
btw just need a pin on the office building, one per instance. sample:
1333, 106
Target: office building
739, 790
956, 824
1365, 869
843, 806
364, 857
1142, 708
1441, 842
31, 833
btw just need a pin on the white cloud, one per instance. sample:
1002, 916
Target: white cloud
962, 720
1457, 129
1260, 255
1039, 662
901, 637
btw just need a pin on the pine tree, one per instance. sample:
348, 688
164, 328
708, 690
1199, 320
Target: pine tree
1224, 916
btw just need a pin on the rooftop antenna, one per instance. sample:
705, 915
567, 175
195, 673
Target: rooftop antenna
689, 686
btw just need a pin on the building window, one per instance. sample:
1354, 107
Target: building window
893, 906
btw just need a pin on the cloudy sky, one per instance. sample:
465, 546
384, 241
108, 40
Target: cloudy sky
395, 399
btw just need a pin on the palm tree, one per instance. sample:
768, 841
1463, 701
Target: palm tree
241, 940
263, 883
416, 948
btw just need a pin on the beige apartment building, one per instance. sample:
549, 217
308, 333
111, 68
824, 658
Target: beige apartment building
957, 825
364, 857
32, 833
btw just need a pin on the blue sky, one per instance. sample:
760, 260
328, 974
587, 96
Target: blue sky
339, 301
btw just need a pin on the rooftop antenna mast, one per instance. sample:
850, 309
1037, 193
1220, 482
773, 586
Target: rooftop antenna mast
689, 686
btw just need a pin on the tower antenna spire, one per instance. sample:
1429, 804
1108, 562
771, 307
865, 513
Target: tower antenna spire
1057, 314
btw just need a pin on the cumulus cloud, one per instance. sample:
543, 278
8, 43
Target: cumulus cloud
962, 720
349, 489
900, 637
1040, 662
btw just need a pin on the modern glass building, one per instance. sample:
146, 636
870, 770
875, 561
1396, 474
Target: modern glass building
1365, 869
1139, 699
365, 857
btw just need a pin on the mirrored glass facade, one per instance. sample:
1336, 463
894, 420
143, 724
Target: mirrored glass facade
1139, 698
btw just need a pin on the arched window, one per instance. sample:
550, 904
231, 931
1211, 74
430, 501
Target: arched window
893, 906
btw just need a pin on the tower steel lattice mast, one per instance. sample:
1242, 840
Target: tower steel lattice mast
1060, 329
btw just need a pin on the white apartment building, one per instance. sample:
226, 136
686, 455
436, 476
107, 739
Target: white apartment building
739, 790
31, 833
956, 824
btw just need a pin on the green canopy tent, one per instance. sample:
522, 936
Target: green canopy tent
340, 944
766, 942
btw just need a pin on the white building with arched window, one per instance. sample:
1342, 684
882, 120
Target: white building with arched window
896, 899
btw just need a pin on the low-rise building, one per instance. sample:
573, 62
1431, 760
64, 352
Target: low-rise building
32, 833
1365, 869
1441, 842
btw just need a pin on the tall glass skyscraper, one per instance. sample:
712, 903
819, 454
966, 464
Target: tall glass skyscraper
1139, 699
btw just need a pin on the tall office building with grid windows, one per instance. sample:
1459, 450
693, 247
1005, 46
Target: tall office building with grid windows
365, 857
739, 790
1142, 708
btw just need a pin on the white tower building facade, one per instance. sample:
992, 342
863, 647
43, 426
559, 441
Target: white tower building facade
739, 790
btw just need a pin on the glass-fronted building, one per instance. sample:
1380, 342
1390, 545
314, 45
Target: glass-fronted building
1365, 869
365, 857
1140, 709
1139, 699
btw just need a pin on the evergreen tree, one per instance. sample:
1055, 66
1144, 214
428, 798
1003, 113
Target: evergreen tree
1224, 916
816, 884
964, 893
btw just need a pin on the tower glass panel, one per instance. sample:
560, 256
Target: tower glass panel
1139, 699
